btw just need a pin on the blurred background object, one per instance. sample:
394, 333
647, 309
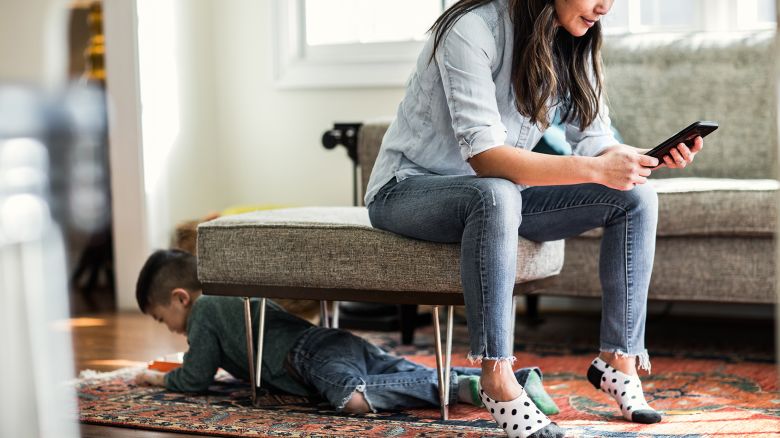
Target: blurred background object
53, 192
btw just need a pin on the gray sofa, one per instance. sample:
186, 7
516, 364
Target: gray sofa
715, 234
717, 218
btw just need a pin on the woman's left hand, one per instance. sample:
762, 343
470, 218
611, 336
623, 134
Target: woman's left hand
681, 156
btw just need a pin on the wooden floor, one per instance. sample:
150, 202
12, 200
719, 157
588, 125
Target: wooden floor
111, 341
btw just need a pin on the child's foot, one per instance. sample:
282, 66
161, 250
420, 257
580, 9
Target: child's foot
625, 389
468, 390
529, 378
521, 418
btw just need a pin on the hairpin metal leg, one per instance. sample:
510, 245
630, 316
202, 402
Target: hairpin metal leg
439, 365
335, 319
249, 347
448, 352
260, 337
324, 314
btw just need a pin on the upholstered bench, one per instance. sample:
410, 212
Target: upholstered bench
333, 253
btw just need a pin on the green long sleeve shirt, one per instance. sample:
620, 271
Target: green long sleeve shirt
217, 339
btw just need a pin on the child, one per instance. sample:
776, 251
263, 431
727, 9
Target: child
299, 358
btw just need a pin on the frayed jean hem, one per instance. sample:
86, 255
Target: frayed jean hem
478, 358
642, 357
361, 388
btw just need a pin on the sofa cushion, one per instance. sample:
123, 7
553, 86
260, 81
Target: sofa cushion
714, 207
336, 247
660, 83
727, 269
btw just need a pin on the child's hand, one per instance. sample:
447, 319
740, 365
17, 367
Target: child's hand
150, 378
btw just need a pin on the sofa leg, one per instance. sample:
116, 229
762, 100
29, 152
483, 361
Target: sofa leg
439, 364
408, 323
250, 347
532, 310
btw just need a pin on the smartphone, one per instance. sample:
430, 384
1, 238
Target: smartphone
687, 136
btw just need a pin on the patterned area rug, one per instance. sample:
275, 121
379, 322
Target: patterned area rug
700, 398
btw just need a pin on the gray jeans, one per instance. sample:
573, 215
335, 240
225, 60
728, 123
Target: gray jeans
486, 216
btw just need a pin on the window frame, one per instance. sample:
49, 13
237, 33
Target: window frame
713, 16
299, 66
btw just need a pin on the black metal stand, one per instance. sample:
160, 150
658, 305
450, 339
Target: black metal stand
345, 134
372, 316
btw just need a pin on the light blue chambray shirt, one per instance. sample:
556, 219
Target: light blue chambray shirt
463, 103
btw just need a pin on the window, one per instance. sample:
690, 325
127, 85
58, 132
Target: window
331, 22
349, 43
636, 16
353, 43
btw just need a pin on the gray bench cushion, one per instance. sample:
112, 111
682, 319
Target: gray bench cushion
336, 247
714, 207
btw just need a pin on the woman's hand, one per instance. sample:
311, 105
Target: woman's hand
150, 378
621, 167
682, 156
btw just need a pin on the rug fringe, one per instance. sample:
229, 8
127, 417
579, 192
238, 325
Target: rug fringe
92, 376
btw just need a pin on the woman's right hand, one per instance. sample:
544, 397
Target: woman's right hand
621, 167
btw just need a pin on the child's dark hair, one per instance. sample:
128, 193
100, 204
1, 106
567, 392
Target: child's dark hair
164, 271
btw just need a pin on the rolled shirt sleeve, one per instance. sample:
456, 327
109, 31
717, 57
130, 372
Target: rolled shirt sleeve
465, 58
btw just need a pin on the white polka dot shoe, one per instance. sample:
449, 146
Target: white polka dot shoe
625, 389
521, 418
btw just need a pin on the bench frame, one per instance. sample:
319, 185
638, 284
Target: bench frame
437, 299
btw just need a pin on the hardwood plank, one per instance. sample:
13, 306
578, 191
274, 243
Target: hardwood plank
109, 341
106, 342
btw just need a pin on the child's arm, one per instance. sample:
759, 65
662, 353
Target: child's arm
201, 361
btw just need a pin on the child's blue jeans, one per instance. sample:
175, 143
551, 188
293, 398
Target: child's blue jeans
337, 363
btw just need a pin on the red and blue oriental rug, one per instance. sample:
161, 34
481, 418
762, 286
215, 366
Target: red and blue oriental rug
700, 398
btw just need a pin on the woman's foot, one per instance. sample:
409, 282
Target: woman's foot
529, 378
520, 417
510, 406
625, 388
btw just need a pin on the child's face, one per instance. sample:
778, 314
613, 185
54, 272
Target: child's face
174, 314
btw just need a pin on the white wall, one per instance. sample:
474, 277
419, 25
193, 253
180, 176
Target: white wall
235, 138
240, 140
181, 156
32, 42
269, 139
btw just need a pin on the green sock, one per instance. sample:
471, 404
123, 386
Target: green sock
468, 390
542, 400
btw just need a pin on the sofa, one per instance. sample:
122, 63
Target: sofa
717, 218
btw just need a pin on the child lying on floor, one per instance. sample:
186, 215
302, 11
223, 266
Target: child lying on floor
353, 375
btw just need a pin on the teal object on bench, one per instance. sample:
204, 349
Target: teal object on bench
554, 142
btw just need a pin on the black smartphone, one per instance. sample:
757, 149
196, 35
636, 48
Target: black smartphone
687, 136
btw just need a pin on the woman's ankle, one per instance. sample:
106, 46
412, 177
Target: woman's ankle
498, 380
623, 363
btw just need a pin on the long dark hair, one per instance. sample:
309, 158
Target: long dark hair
549, 63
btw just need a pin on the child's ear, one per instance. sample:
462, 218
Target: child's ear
181, 295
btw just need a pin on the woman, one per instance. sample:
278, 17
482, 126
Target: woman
456, 166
